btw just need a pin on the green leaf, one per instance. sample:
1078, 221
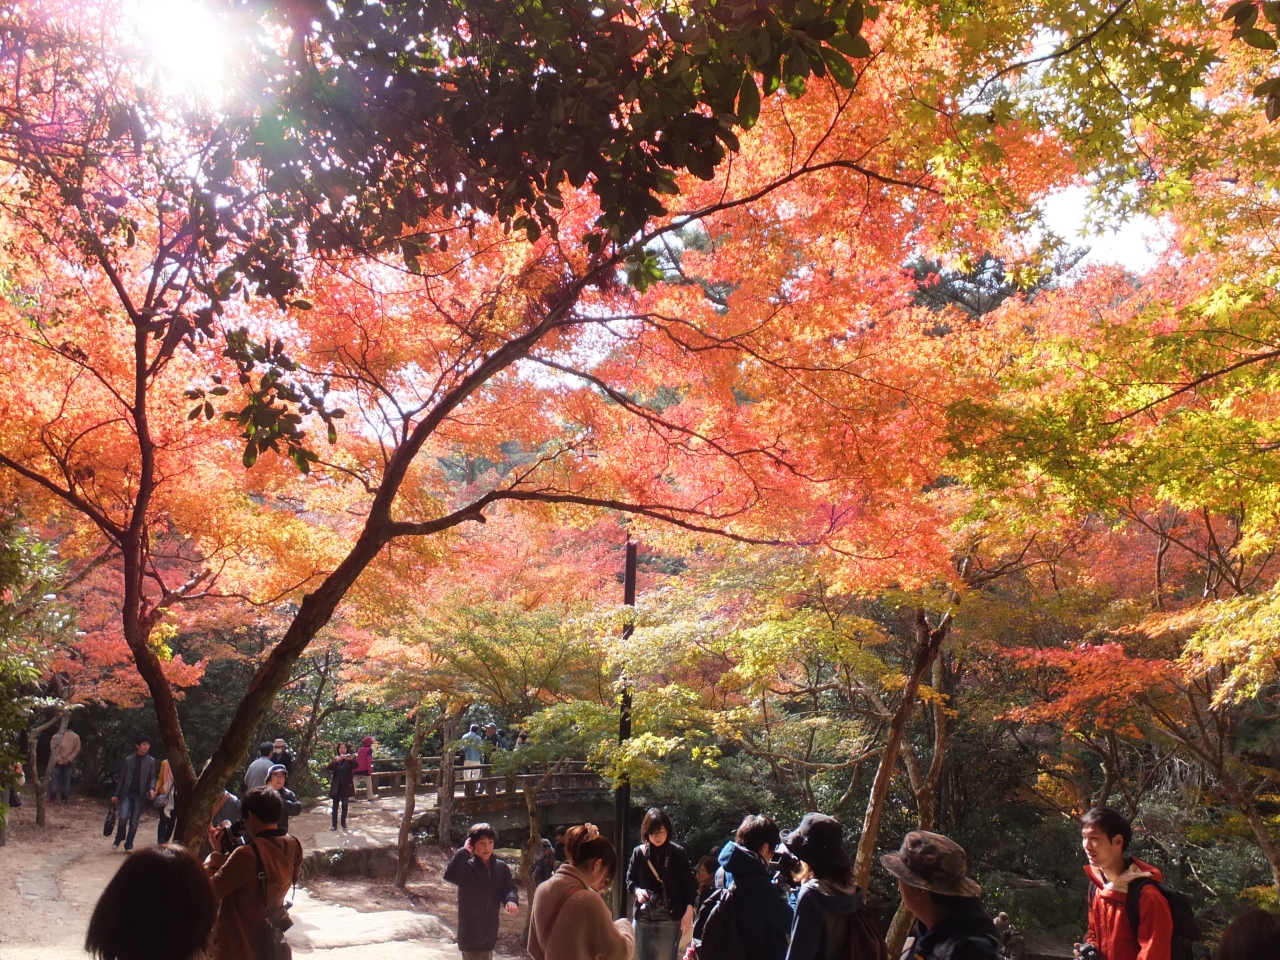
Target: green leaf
841, 69
1237, 8
853, 20
250, 455
855, 47
1258, 38
748, 102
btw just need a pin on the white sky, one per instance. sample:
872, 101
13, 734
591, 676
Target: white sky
1136, 244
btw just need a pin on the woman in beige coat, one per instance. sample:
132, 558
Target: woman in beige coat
570, 919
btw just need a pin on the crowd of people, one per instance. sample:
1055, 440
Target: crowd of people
764, 895
769, 896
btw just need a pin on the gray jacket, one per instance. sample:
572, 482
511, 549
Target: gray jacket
146, 782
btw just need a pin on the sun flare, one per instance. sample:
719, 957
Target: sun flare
188, 44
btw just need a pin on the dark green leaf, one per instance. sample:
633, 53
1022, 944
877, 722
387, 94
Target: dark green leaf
841, 70
748, 102
1258, 38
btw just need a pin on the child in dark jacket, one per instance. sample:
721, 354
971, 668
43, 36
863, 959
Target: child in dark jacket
485, 886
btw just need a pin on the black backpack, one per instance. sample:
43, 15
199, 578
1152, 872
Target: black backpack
1186, 931
716, 932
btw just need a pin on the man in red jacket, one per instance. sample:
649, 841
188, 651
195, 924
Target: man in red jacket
1106, 835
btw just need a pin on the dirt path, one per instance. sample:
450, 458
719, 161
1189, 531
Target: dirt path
51, 878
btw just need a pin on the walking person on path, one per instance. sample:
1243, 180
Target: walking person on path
660, 879
485, 887
65, 747
255, 775
166, 802
134, 787
342, 786
270, 860
1105, 836
569, 919
472, 758
950, 922
277, 777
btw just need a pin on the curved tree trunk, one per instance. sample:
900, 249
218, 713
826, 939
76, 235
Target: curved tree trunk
928, 641
412, 774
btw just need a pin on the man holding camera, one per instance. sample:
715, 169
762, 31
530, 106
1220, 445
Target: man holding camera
1106, 835
251, 879
763, 913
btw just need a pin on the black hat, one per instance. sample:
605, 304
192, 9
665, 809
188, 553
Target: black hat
819, 842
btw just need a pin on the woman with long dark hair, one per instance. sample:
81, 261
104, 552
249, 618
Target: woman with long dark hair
828, 896
158, 906
661, 881
342, 784
569, 919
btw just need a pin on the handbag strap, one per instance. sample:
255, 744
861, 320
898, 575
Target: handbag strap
662, 880
262, 880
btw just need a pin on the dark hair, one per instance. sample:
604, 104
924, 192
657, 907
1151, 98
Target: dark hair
264, 749
755, 831
841, 872
1109, 822
343, 743
560, 831
264, 803
479, 831
141, 739
580, 851
167, 887
653, 819
1253, 934
709, 864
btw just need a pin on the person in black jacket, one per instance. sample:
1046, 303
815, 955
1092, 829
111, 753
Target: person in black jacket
764, 915
135, 786
661, 881
277, 776
485, 886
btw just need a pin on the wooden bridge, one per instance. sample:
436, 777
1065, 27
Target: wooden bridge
573, 792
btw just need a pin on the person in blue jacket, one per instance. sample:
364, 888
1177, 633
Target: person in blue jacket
764, 916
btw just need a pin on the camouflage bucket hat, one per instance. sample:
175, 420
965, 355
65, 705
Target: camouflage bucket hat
932, 862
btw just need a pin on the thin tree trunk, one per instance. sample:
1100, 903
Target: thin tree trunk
533, 845
61, 717
928, 641
449, 724
412, 773
925, 789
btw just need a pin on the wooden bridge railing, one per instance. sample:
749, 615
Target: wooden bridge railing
388, 778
